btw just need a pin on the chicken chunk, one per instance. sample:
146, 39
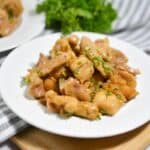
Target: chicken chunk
87, 110
117, 57
46, 66
103, 49
72, 87
13, 7
70, 105
60, 72
7, 25
4, 22
107, 102
124, 81
89, 49
50, 83
36, 86
82, 68
62, 46
73, 40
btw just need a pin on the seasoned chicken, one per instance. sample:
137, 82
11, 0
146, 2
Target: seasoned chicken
89, 49
50, 83
107, 102
73, 40
70, 105
46, 66
36, 86
10, 11
60, 72
4, 23
103, 49
72, 87
117, 57
125, 82
82, 68
62, 46
13, 7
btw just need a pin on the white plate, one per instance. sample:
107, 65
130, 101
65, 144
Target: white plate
132, 115
31, 25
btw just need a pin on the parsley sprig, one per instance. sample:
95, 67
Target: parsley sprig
78, 15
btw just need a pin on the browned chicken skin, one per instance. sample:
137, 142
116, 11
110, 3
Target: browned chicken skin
46, 66
72, 87
89, 49
71, 105
82, 68
36, 87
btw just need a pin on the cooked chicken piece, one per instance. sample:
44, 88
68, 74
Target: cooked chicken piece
70, 105
62, 46
4, 22
110, 54
7, 25
107, 102
10, 11
75, 43
13, 7
50, 83
73, 40
125, 82
60, 72
46, 66
87, 110
125, 67
86, 45
36, 86
102, 42
95, 83
117, 57
72, 87
89, 49
103, 49
82, 68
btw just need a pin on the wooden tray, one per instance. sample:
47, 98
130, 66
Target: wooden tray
35, 139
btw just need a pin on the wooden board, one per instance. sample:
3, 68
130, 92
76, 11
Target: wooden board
35, 139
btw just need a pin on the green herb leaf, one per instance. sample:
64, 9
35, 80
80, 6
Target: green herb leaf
25, 80
78, 15
98, 117
108, 93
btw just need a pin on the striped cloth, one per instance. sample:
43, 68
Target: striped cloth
133, 25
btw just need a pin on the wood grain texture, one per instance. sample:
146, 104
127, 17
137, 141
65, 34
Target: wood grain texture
35, 139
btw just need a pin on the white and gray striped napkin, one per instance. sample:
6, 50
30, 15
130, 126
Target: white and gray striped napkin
133, 25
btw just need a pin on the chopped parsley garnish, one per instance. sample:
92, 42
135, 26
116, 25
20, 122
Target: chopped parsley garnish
87, 50
98, 117
79, 63
108, 93
76, 71
103, 112
119, 96
25, 80
98, 60
67, 114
